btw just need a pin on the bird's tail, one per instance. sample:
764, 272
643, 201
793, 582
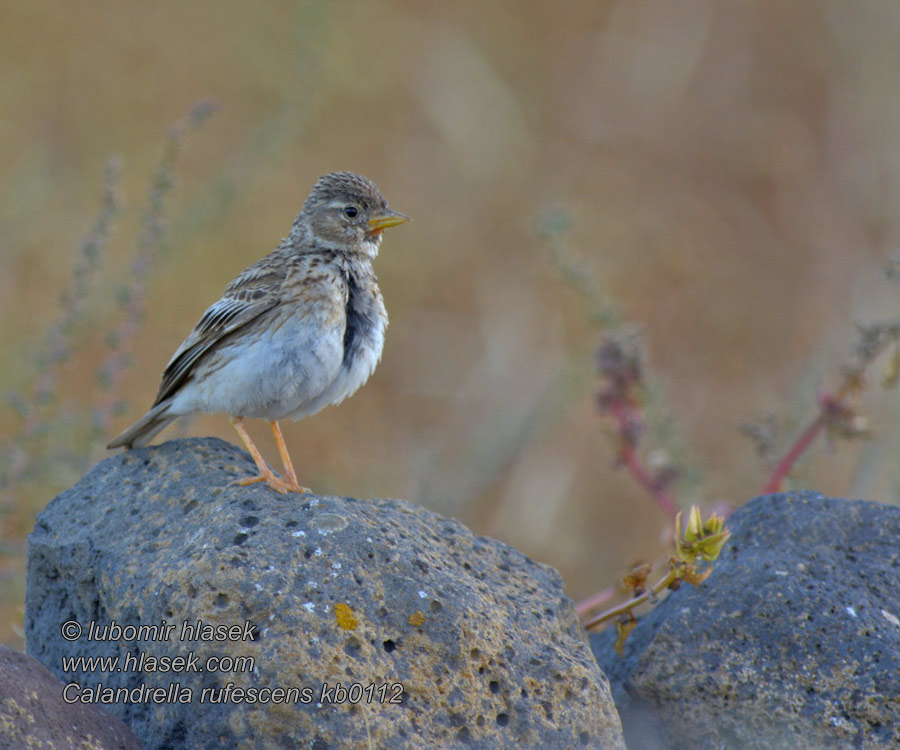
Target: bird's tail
142, 431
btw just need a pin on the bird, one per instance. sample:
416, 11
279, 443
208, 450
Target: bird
300, 329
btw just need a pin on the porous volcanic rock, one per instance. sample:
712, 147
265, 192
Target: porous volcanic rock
393, 626
33, 713
792, 642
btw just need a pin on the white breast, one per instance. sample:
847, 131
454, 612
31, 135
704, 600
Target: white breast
267, 376
354, 371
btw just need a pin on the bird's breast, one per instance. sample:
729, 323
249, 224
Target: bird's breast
365, 321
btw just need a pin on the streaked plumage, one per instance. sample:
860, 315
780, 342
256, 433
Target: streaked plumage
298, 330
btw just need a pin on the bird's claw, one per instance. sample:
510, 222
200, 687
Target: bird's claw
274, 481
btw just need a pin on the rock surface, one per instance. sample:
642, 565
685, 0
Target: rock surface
792, 642
422, 634
33, 713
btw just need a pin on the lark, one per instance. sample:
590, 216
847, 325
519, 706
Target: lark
298, 330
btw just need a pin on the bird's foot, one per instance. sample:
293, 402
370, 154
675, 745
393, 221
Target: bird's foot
277, 483
274, 481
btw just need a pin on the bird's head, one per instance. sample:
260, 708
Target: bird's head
348, 212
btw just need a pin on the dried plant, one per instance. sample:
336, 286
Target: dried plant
54, 438
622, 401
131, 296
35, 407
702, 542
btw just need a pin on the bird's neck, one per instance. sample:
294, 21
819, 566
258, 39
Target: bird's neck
303, 237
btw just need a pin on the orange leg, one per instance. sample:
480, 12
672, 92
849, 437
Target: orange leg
265, 473
283, 451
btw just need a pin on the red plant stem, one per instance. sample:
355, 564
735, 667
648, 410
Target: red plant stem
595, 600
829, 406
643, 477
629, 456
797, 449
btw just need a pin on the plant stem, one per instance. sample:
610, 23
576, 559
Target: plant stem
595, 600
621, 609
773, 484
629, 456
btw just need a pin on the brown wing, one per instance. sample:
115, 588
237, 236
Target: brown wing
250, 295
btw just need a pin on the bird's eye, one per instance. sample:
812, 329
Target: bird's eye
350, 212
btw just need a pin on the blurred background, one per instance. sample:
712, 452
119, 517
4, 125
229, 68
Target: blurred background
723, 175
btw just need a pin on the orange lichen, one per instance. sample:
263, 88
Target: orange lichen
344, 616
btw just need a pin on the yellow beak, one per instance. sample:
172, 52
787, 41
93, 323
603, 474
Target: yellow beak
385, 219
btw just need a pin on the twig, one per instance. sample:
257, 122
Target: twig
655, 484
121, 341
836, 413
625, 607
57, 346
619, 365
595, 600
702, 540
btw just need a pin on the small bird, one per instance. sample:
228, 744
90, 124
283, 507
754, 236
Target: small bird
298, 330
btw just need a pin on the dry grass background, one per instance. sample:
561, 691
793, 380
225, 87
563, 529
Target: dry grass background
728, 172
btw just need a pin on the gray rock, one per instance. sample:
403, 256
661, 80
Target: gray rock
425, 635
792, 642
33, 713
